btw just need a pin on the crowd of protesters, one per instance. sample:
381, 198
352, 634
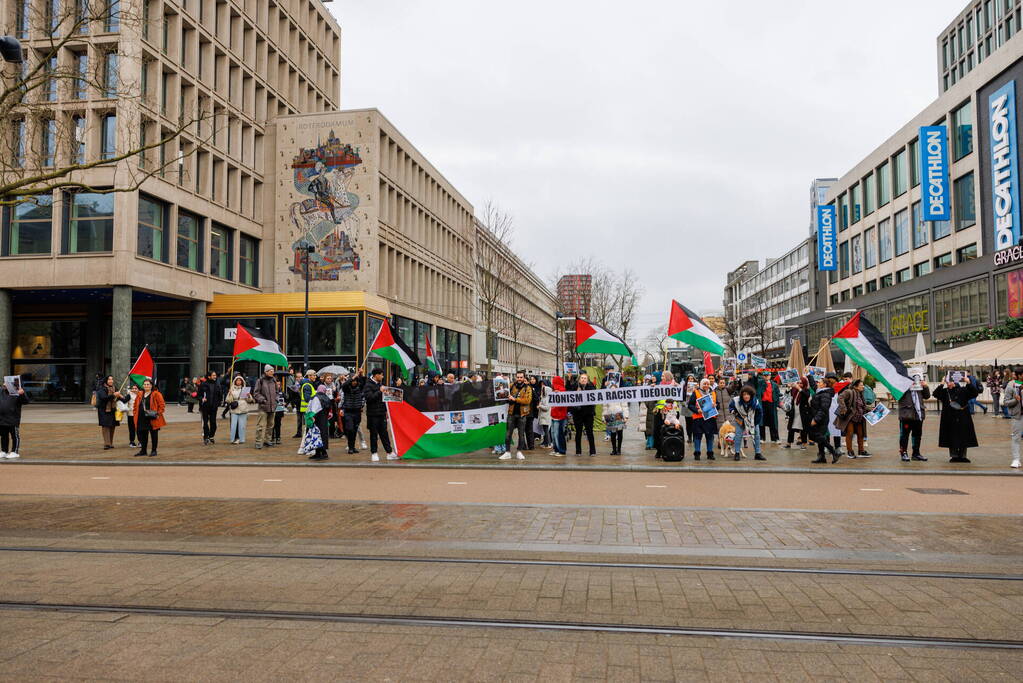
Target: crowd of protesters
715, 416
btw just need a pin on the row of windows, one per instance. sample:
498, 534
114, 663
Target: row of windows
71, 138
983, 25
409, 175
414, 282
895, 176
945, 260
404, 214
67, 17
87, 226
895, 236
800, 256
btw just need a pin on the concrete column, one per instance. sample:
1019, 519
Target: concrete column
199, 344
120, 334
6, 331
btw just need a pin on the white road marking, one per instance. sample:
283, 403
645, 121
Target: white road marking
656, 486
101, 477
273, 480
458, 483
871, 489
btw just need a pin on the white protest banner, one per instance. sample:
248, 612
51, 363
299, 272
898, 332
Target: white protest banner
640, 394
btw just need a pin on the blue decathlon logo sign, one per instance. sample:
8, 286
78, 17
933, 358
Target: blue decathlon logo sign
1004, 166
826, 238
934, 164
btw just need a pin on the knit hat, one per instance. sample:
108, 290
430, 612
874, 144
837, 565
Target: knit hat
268, 367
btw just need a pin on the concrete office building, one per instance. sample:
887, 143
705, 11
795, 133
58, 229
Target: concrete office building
939, 278
223, 234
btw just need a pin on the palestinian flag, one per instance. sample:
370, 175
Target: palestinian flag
144, 367
419, 436
252, 344
688, 328
865, 344
431, 359
389, 346
591, 338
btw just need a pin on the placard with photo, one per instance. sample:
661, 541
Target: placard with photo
392, 394
12, 383
502, 389
789, 376
879, 412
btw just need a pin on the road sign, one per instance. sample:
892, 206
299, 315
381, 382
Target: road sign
742, 357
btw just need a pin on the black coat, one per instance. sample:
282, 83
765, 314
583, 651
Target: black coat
353, 391
213, 394
374, 399
582, 412
105, 407
820, 405
10, 408
907, 411
956, 430
322, 418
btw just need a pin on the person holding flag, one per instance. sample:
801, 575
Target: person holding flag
148, 417
389, 346
376, 415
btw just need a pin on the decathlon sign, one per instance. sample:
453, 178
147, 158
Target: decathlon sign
826, 238
934, 162
1004, 166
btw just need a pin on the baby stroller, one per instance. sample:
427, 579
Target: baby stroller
673, 443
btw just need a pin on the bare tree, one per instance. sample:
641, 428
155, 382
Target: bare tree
494, 273
655, 345
756, 320
732, 336
56, 106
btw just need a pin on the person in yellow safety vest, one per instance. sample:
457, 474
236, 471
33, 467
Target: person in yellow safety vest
306, 391
702, 427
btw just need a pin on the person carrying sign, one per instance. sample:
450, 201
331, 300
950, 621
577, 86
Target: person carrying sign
519, 405
582, 416
705, 424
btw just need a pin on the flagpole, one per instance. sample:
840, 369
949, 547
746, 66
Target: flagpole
128, 376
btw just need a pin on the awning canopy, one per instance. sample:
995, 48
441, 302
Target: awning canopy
988, 352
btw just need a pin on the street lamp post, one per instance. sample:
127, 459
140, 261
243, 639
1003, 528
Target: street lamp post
558, 315
305, 333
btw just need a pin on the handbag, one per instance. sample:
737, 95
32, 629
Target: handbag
233, 405
151, 414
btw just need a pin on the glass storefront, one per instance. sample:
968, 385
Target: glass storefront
217, 330
52, 383
961, 306
330, 336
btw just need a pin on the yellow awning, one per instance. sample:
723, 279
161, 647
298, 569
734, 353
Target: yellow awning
294, 302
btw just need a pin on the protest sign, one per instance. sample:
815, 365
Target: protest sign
392, 394
571, 368
879, 412
12, 383
707, 407
789, 376
640, 394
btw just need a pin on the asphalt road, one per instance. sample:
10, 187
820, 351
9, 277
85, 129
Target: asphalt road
868, 492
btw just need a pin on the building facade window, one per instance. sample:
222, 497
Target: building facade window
886, 280
920, 228
857, 291
18, 143
871, 286
900, 170
221, 252
112, 16
29, 226
248, 261
964, 305
843, 212
857, 253
884, 240
967, 253
22, 19
902, 232
189, 241
152, 233
108, 136
902, 275
857, 202
965, 202
962, 131
78, 143
110, 74
90, 224
330, 336
941, 229
870, 195
921, 269
884, 184
913, 150
843, 260
943, 261
80, 85
909, 316
49, 134
869, 248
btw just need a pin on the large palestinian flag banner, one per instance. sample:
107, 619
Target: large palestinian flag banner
865, 344
592, 338
251, 343
389, 346
442, 420
689, 328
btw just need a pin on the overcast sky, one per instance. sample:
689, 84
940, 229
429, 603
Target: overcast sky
675, 138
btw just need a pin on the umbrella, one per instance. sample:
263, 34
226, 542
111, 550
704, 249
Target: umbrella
796, 361
333, 370
921, 347
824, 359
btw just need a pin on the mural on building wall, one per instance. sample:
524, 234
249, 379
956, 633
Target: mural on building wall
327, 219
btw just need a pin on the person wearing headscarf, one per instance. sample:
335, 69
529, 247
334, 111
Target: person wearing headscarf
956, 431
705, 428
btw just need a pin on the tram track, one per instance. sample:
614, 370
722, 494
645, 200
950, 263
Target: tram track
823, 571
472, 622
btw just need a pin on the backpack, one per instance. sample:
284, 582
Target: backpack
869, 397
92, 401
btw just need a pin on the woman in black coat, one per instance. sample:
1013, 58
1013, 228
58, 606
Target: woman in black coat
956, 432
582, 416
106, 399
322, 420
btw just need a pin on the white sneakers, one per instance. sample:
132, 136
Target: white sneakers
1014, 465
364, 444
375, 457
519, 456
392, 456
505, 456
10, 456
